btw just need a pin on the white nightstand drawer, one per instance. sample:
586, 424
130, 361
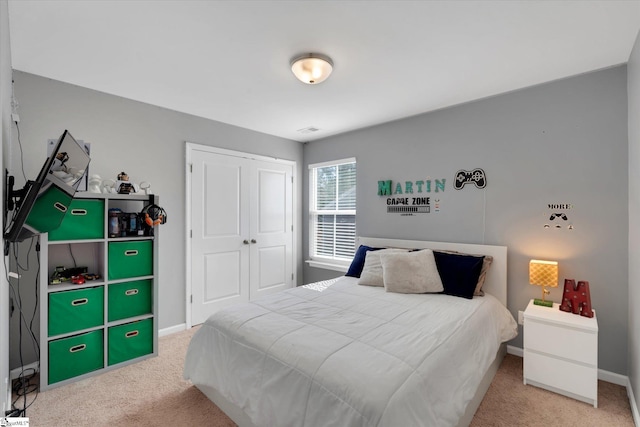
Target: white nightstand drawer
561, 376
568, 343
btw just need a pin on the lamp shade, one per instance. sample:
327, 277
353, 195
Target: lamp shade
543, 273
312, 68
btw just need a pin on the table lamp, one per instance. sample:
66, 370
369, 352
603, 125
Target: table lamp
543, 273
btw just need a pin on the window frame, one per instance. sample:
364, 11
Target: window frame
322, 261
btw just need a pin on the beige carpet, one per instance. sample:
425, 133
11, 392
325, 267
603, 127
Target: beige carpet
509, 402
153, 393
147, 394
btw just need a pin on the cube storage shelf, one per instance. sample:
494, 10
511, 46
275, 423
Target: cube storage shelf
103, 324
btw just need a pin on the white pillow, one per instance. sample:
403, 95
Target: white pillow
411, 272
372, 271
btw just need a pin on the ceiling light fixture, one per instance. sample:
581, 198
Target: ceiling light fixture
312, 68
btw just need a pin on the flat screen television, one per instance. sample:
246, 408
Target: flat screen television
40, 205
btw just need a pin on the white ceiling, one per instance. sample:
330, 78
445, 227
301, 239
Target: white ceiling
229, 60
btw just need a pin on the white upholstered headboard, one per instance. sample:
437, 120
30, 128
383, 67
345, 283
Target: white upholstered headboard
496, 281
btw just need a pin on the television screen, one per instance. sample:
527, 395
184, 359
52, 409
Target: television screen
41, 204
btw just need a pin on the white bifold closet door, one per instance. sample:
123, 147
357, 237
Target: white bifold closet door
242, 238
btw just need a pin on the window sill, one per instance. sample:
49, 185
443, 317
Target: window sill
328, 265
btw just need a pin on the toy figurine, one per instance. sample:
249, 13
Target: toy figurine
123, 186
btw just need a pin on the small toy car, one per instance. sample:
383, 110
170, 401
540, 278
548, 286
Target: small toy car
77, 280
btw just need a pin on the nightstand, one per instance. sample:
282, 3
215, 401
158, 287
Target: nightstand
561, 352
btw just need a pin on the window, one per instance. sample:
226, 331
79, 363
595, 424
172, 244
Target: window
332, 212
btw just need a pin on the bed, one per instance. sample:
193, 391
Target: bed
342, 353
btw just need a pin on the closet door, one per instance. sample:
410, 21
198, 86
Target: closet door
241, 240
220, 233
271, 228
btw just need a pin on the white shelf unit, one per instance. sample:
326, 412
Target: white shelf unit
94, 253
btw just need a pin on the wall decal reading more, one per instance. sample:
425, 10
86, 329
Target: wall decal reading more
556, 218
562, 206
476, 176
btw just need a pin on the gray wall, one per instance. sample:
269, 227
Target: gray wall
145, 141
633, 85
561, 142
5, 136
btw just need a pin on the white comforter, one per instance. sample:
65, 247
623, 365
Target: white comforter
338, 354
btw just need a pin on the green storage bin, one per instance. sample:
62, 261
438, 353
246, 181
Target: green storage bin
133, 258
75, 310
49, 209
77, 355
130, 299
84, 220
130, 340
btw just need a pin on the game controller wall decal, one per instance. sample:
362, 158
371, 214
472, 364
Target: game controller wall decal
556, 218
558, 215
476, 176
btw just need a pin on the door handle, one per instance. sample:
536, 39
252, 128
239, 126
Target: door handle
245, 241
253, 241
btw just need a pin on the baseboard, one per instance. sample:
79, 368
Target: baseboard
612, 377
172, 330
516, 351
15, 373
632, 402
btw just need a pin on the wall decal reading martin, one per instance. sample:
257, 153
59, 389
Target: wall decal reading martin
408, 206
385, 187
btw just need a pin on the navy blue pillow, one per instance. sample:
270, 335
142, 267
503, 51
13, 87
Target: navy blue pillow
459, 273
355, 269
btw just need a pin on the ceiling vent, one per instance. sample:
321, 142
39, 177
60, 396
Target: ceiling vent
309, 129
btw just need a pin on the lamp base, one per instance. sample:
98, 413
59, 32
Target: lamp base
538, 301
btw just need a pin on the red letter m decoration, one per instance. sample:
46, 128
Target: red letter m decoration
576, 299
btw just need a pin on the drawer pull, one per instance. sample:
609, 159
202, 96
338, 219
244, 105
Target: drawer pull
78, 212
131, 252
131, 334
80, 301
60, 207
77, 348
131, 292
